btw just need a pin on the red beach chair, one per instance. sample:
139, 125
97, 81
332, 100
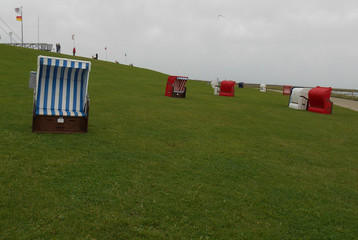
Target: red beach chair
318, 100
176, 87
286, 90
227, 88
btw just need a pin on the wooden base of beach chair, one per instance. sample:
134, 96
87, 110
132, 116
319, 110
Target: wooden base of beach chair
58, 124
179, 95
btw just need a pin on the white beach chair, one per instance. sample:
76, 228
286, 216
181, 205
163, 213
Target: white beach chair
215, 84
263, 87
299, 98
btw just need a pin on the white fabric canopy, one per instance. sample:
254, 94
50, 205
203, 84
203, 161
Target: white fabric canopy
299, 98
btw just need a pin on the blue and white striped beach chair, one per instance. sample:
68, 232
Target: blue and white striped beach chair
61, 102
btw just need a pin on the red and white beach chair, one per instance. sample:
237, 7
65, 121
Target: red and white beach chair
176, 86
286, 89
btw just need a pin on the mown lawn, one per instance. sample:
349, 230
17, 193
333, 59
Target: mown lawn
153, 167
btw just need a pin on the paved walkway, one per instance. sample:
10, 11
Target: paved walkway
345, 103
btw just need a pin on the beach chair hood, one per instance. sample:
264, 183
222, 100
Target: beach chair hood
61, 86
319, 100
299, 98
227, 88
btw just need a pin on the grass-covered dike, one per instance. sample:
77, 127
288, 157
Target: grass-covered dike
153, 167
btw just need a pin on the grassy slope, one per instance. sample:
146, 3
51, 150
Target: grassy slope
160, 168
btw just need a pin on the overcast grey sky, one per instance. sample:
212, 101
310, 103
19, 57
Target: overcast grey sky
298, 42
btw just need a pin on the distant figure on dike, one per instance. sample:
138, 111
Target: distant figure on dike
58, 48
74, 51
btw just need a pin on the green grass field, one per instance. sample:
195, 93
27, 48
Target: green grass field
153, 167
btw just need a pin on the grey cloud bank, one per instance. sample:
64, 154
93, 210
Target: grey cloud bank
305, 43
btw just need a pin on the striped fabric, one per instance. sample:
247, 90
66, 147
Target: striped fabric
61, 86
179, 84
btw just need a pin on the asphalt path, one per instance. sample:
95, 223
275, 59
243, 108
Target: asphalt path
353, 105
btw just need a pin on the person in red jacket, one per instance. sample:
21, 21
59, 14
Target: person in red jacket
74, 51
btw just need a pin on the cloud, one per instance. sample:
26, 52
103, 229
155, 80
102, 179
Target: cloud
307, 42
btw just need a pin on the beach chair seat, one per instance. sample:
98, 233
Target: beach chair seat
227, 88
299, 98
241, 84
176, 86
61, 101
319, 100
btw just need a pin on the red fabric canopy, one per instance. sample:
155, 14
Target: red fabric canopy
227, 88
319, 100
286, 90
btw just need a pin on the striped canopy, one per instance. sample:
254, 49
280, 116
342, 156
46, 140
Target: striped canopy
61, 86
178, 83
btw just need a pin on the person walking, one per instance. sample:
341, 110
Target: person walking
74, 51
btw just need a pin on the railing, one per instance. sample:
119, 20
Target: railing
39, 46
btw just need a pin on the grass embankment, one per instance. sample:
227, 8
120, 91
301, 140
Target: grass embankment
153, 167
